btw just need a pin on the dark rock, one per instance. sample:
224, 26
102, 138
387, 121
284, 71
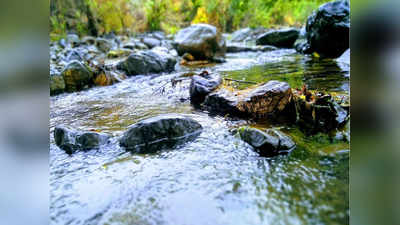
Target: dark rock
321, 115
157, 60
328, 29
164, 131
57, 83
71, 140
203, 41
233, 48
76, 76
103, 44
271, 101
284, 38
268, 143
247, 34
301, 44
151, 42
201, 86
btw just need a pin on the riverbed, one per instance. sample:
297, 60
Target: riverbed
216, 179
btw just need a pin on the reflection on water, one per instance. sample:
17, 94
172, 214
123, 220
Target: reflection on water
217, 179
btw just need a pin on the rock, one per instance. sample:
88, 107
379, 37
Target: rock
164, 131
151, 42
157, 60
88, 40
301, 44
103, 44
271, 101
268, 143
73, 39
118, 53
76, 76
201, 86
71, 140
321, 115
328, 29
203, 41
135, 45
247, 34
188, 57
284, 38
233, 48
57, 84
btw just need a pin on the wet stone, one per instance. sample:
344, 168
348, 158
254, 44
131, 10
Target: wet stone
160, 132
270, 142
71, 140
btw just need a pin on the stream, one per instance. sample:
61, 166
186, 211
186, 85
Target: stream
216, 179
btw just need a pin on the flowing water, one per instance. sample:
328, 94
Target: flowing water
216, 179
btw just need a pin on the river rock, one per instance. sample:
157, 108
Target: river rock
271, 101
156, 133
57, 83
203, 41
157, 60
321, 115
71, 140
103, 44
328, 29
76, 76
267, 143
284, 38
151, 42
201, 86
247, 34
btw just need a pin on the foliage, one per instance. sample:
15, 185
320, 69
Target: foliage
129, 16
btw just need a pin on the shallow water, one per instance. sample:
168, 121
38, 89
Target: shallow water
217, 179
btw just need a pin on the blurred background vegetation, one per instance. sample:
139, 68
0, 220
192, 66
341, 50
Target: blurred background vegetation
95, 17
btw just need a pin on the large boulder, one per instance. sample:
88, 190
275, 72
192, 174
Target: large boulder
321, 114
271, 101
203, 41
284, 38
164, 131
201, 86
157, 60
76, 76
328, 29
71, 140
267, 143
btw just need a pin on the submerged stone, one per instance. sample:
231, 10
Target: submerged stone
160, 132
71, 140
270, 142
